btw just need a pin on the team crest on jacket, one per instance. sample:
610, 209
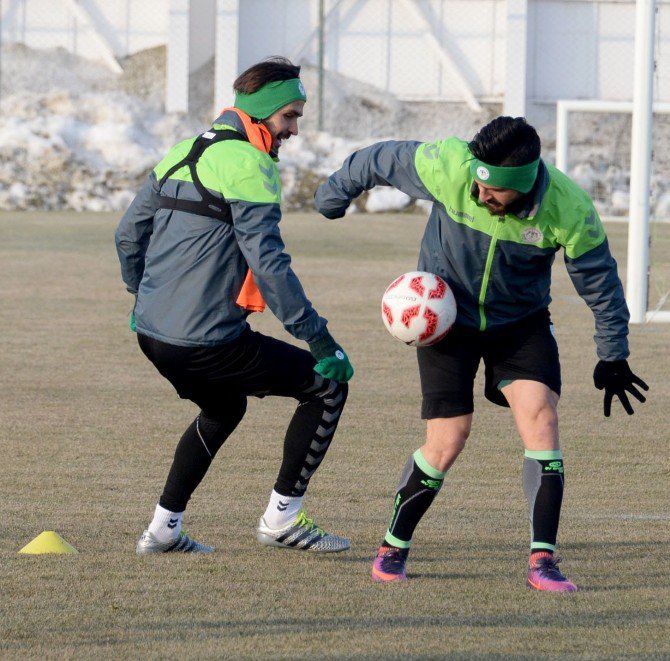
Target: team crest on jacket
532, 235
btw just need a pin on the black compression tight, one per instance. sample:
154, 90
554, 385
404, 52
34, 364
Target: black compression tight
195, 452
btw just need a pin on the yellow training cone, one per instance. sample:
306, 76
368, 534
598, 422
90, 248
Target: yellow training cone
48, 542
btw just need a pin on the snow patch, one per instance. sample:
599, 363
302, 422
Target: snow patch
383, 198
75, 136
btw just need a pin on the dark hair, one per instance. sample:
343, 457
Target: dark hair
268, 71
507, 141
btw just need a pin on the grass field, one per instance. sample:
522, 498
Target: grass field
88, 429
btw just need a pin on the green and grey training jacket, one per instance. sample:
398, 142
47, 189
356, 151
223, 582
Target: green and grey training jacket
499, 267
187, 269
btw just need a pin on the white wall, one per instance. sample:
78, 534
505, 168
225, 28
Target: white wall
576, 49
201, 32
126, 25
382, 42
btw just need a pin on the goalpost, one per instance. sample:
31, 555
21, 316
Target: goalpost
642, 108
638, 231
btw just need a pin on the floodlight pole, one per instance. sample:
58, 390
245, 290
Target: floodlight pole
637, 284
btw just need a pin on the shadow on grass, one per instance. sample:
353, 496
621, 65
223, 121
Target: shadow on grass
178, 630
591, 559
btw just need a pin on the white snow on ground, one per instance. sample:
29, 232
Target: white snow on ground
386, 199
74, 136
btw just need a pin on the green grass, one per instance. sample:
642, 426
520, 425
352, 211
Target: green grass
88, 429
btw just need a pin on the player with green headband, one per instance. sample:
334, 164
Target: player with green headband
519, 178
270, 97
200, 248
499, 215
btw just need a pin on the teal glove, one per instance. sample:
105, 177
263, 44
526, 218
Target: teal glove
331, 361
131, 322
337, 367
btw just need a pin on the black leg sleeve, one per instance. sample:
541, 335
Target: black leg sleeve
309, 434
416, 492
543, 481
196, 450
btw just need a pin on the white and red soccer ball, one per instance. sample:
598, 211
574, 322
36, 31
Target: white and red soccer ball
418, 308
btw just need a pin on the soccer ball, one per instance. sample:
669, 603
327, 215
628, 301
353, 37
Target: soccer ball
418, 308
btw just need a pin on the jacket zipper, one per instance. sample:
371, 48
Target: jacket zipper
487, 273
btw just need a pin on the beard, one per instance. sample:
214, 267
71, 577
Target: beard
279, 138
496, 208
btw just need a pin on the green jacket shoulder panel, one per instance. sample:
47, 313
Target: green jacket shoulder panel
575, 222
563, 214
179, 151
234, 168
443, 167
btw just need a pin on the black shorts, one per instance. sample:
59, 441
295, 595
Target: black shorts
524, 350
252, 364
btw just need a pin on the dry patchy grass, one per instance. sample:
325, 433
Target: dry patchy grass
88, 429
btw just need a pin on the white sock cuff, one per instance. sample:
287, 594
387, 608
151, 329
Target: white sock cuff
165, 525
282, 510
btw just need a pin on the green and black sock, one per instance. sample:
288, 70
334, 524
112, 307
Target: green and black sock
419, 485
543, 479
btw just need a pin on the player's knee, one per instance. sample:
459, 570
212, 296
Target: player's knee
215, 426
334, 396
445, 439
441, 457
343, 390
543, 416
449, 431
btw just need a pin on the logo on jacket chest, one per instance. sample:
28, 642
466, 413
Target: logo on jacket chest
532, 235
461, 214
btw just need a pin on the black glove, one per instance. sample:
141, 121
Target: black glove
616, 378
335, 214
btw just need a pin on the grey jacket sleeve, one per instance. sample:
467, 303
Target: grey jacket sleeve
259, 239
388, 163
594, 275
134, 232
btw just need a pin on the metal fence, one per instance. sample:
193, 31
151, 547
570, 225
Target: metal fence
372, 68
392, 50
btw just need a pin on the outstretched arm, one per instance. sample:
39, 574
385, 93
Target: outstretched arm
594, 275
390, 163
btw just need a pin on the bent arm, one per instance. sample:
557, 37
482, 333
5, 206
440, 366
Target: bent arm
259, 239
133, 234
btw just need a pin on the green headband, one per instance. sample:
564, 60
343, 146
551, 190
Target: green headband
270, 98
520, 178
